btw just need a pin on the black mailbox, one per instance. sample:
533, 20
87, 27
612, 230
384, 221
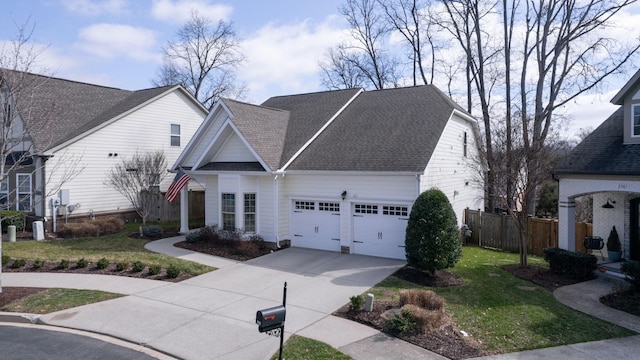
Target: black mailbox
271, 318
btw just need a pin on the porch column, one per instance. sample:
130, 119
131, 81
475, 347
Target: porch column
567, 224
184, 210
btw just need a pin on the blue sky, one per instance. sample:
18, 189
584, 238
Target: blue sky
118, 43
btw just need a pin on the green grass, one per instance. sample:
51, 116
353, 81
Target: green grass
115, 248
301, 348
503, 311
56, 299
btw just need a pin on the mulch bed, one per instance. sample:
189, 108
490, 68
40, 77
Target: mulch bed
447, 340
226, 249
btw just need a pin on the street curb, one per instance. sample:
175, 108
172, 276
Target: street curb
20, 318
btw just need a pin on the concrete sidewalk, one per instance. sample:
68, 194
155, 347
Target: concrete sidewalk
212, 315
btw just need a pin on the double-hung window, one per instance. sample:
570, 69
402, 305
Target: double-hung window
228, 210
175, 135
250, 212
24, 192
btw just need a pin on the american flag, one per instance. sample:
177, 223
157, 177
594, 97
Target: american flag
178, 183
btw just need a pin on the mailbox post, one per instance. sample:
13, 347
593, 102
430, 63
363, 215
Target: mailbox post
271, 320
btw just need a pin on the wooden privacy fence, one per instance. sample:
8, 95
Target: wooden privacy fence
163, 211
500, 232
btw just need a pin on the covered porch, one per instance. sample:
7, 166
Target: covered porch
616, 202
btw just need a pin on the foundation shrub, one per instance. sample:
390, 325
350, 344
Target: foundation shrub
155, 269
173, 272
138, 266
63, 264
82, 263
577, 265
83, 229
38, 263
12, 217
5, 259
102, 263
401, 323
247, 248
356, 302
122, 266
426, 299
152, 231
18, 263
425, 320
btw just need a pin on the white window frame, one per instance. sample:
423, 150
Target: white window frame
175, 135
635, 112
4, 193
247, 229
228, 211
20, 192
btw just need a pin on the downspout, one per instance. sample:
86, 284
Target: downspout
276, 218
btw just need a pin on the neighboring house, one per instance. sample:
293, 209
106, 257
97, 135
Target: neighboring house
77, 132
336, 170
606, 164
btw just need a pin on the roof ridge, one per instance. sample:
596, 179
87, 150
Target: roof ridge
253, 105
62, 79
315, 93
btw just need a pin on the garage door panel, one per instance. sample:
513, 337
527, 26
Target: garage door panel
379, 230
316, 224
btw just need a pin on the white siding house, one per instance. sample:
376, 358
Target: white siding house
336, 170
94, 128
605, 165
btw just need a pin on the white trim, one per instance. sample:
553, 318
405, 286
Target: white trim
633, 110
197, 136
226, 125
313, 138
18, 193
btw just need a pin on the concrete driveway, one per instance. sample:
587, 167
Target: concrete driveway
212, 316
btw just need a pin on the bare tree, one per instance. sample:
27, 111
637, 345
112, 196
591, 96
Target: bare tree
366, 55
570, 56
203, 59
464, 19
18, 123
138, 179
339, 71
412, 19
559, 50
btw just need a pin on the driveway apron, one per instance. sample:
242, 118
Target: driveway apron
212, 316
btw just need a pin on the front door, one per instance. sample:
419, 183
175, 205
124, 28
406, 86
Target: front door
634, 238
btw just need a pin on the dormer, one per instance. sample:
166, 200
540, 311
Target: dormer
629, 98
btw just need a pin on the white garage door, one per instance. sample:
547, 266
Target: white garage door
379, 230
316, 224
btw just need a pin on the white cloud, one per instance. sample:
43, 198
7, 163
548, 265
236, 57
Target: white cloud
114, 40
179, 11
95, 8
588, 111
285, 58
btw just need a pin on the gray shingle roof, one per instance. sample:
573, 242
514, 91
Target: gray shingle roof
384, 130
603, 152
309, 112
56, 110
264, 128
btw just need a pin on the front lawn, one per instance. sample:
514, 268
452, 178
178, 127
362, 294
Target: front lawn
505, 313
115, 248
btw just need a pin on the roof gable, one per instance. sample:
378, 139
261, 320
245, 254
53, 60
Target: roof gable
65, 109
603, 152
632, 84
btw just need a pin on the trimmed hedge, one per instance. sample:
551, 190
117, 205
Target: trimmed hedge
577, 265
12, 217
